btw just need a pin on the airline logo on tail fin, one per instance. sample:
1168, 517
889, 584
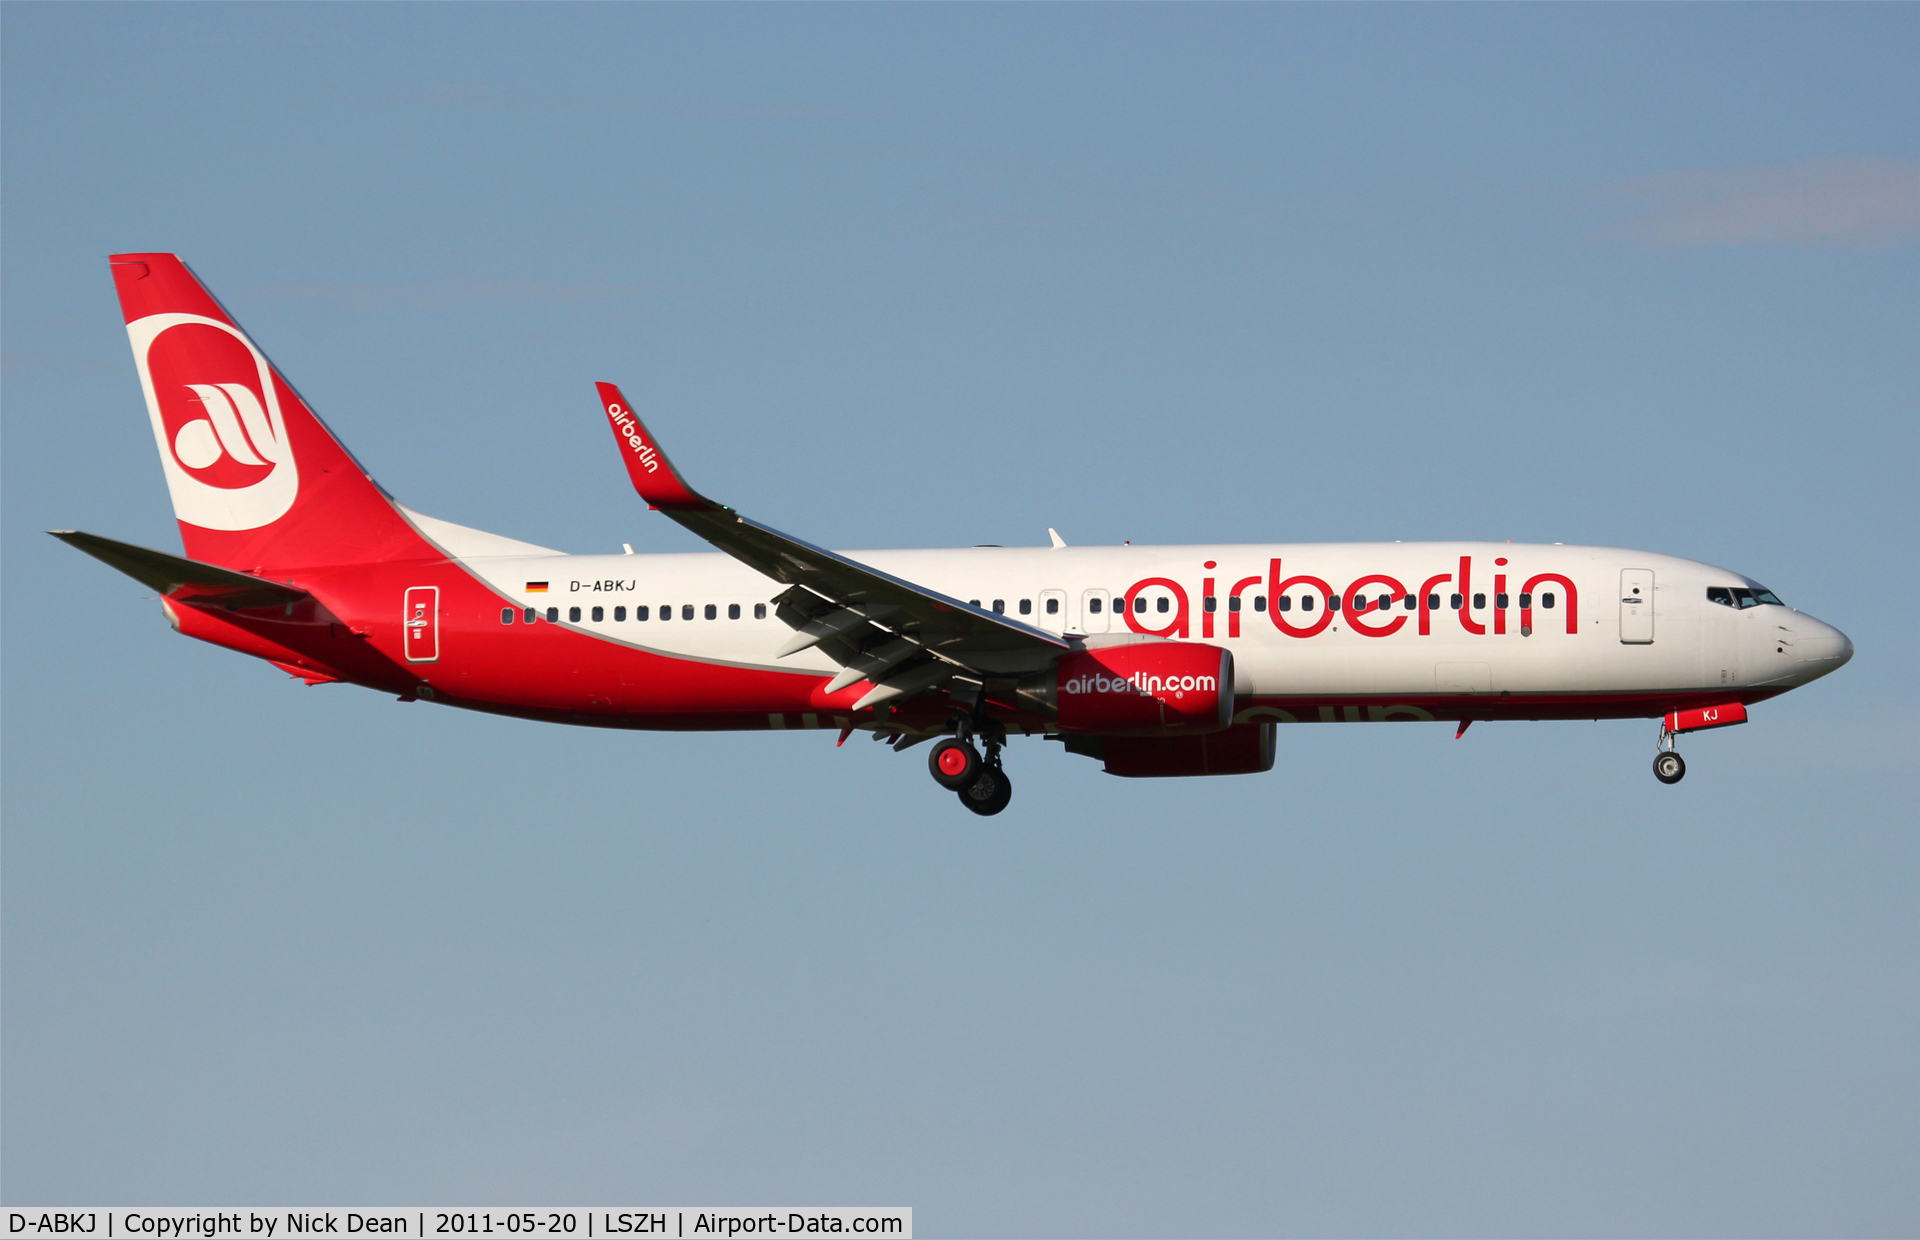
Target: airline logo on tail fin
216, 415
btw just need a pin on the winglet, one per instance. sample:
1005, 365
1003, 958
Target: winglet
654, 476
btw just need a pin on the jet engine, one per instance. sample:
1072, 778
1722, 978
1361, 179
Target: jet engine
1144, 689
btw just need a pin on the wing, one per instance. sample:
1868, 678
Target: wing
902, 637
190, 581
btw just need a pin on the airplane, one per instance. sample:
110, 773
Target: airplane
1156, 661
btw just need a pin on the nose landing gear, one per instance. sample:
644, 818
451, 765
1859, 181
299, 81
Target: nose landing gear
1668, 766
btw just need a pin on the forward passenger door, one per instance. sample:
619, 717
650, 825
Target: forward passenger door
1636, 606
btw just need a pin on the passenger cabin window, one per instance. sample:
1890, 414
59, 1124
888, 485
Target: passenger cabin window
1546, 600
532, 615
1053, 607
599, 614
1140, 606
1026, 607
1285, 603
1526, 600
573, 615
553, 615
1093, 605
506, 615
1306, 602
733, 611
666, 611
640, 613
973, 602
713, 612
686, 611
1500, 600
999, 607
619, 614
1479, 601
1455, 602
1210, 603
1433, 602
1233, 604
1260, 602
1411, 602
1163, 603
759, 611
1333, 602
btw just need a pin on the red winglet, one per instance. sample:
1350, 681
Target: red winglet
654, 476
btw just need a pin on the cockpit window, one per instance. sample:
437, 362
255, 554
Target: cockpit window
1742, 597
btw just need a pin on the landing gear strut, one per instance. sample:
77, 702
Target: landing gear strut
1668, 766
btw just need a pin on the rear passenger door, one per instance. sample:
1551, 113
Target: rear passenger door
420, 624
1636, 606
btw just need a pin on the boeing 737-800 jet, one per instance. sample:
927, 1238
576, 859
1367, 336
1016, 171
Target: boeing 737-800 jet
1157, 661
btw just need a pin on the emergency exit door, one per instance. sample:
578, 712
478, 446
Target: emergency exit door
1095, 608
1053, 610
420, 623
1636, 606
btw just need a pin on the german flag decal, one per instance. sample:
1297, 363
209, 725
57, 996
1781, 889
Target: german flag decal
536, 587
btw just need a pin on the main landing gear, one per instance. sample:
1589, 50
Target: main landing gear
979, 782
1668, 766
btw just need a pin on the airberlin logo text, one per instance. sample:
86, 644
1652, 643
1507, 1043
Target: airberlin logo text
629, 429
1371, 605
1141, 684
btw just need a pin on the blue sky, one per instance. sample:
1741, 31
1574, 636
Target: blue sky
924, 276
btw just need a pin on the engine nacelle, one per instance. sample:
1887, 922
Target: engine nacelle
1143, 689
1243, 749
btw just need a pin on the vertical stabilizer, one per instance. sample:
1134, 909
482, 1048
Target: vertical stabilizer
258, 481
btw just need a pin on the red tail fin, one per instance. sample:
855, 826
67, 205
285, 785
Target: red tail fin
258, 481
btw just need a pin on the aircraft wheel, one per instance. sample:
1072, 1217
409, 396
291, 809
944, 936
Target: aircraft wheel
954, 763
988, 794
1668, 768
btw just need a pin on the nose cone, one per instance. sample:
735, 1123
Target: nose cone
1822, 647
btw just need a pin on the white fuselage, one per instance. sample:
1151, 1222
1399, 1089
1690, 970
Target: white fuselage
1669, 638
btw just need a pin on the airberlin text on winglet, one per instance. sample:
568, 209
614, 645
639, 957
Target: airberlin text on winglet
628, 427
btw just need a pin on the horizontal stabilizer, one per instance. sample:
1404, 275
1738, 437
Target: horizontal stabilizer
189, 581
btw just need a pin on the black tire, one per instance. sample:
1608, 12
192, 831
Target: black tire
1669, 767
963, 759
989, 793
